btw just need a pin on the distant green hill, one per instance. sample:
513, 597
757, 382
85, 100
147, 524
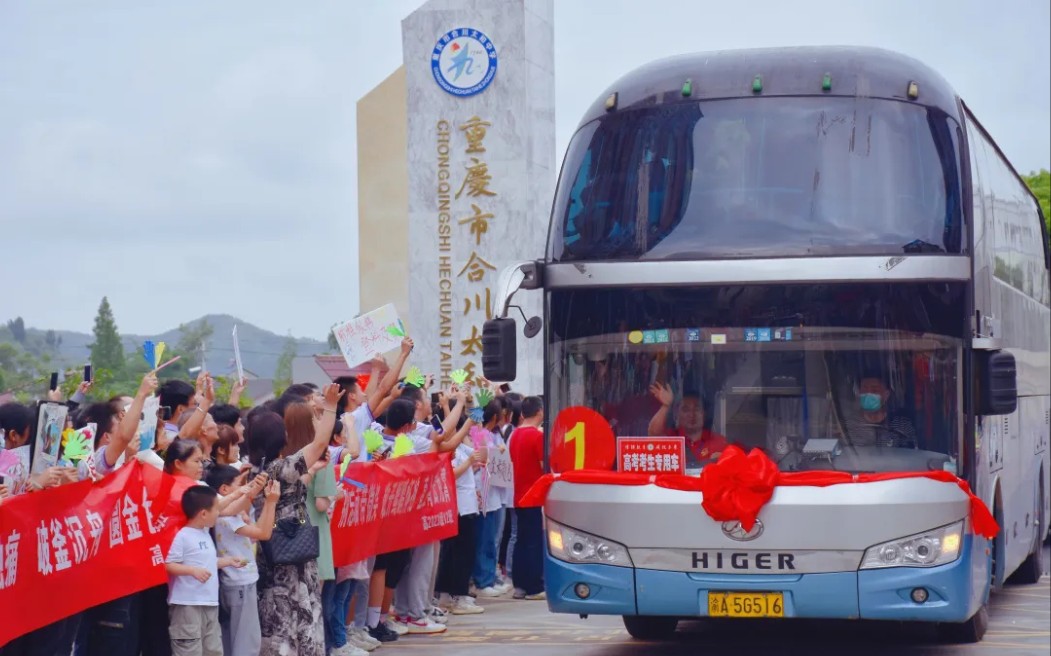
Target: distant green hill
260, 349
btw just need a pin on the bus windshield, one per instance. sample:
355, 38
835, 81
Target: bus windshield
862, 379
760, 177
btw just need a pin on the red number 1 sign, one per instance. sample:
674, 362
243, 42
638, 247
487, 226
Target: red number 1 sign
582, 439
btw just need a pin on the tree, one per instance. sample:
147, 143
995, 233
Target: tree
193, 339
18, 329
283, 375
107, 351
224, 385
1040, 185
333, 343
51, 339
21, 372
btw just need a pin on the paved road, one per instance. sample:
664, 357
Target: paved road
1020, 623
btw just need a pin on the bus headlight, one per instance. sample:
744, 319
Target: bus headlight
936, 547
575, 546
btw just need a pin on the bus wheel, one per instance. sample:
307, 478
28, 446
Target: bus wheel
1032, 568
650, 628
971, 631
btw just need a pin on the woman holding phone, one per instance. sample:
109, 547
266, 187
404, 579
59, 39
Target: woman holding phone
290, 595
321, 492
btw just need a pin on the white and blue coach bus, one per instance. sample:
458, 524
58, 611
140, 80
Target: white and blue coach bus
818, 252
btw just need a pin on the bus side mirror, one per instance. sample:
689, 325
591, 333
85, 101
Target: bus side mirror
499, 350
997, 383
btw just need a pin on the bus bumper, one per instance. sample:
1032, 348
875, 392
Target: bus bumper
955, 591
871, 594
611, 589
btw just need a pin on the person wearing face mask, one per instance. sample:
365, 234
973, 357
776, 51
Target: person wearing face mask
875, 425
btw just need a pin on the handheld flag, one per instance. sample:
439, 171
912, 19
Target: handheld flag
149, 353
477, 415
458, 376
415, 377
396, 330
483, 397
79, 445
373, 441
343, 478
159, 352
402, 446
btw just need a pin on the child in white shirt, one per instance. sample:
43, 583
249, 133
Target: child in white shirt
193, 584
456, 559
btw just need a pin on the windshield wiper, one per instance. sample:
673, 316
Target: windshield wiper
920, 246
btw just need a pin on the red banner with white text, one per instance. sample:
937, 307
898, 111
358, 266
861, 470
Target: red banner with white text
392, 505
70, 548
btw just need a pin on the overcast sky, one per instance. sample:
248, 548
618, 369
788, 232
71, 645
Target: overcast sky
195, 157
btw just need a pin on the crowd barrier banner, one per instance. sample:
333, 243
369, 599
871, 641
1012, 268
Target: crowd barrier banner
67, 549
392, 505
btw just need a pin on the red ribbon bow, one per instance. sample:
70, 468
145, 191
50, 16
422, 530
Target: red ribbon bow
738, 486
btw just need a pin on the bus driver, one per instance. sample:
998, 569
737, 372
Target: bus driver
876, 425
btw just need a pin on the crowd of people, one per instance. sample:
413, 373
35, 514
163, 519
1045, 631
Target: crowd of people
227, 592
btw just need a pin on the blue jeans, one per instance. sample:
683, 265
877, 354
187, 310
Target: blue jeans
511, 543
484, 574
359, 592
500, 532
335, 599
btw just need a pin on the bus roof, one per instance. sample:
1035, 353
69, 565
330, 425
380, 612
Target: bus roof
852, 71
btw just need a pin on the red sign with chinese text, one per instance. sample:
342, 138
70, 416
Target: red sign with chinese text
73, 547
405, 502
651, 455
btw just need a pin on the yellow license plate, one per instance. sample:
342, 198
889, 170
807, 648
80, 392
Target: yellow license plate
746, 604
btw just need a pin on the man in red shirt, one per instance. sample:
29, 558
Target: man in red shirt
702, 444
527, 459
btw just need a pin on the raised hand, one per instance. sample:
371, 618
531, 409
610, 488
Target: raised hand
132, 450
332, 394
663, 393
257, 485
407, 345
148, 385
459, 393
237, 389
